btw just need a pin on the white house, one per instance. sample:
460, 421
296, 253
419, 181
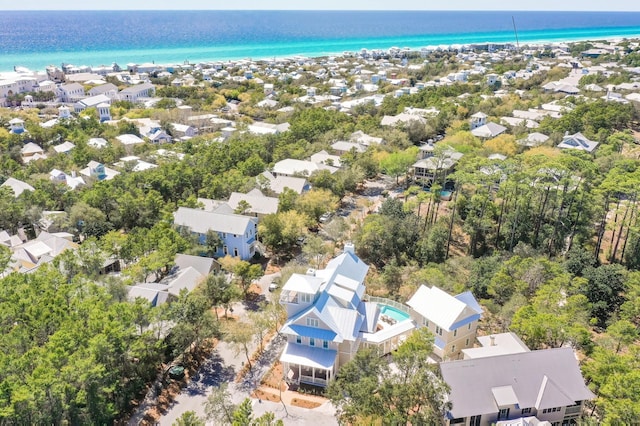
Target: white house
137, 92
17, 186
71, 92
453, 320
578, 141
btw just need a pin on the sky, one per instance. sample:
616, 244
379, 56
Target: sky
568, 5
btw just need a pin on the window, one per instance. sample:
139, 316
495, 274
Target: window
438, 330
235, 236
224, 235
298, 339
503, 414
467, 342
453, 348
312, 341
526, 410
425, 322
235, 252
475, 420
305, 298
312, 322
457, 421
469, 326
455, 332
225, 250
325, 344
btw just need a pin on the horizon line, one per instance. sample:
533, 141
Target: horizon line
318, 10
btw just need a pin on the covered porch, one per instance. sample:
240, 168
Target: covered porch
307, 364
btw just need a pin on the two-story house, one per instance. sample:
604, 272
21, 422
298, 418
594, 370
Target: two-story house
71, 92
237, 232
136, 93
546, 385
326, 314
453, 320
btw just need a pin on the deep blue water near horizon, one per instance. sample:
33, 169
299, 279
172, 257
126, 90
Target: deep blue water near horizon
36, 39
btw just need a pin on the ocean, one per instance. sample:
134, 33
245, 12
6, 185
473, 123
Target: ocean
35, 39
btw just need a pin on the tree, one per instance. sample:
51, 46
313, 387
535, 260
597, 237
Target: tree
212, 242
219, 407
189, 418
281, 231
239, 335
315, 248
398, 163
366, 388
316, 202
243, 207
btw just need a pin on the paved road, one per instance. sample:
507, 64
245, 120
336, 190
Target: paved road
223, 366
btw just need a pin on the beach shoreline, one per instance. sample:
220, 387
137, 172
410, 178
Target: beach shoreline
144, 58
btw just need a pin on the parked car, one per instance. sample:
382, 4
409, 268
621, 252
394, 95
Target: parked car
325, 217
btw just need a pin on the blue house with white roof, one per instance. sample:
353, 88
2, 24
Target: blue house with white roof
237, 232
453, 320
329, 318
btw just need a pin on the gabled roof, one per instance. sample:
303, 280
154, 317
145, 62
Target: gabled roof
489, 130
259, 204
204, 265
444, 310
541, 379
17, 186
201, 221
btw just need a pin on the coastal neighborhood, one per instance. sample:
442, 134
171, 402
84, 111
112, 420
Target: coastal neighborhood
438, 235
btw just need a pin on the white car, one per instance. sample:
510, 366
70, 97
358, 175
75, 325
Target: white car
273, 286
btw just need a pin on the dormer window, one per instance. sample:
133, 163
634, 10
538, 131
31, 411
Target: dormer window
305, 298
312, 322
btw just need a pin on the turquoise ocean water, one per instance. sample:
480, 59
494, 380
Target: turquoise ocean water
37, 39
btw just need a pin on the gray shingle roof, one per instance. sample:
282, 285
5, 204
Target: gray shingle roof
541, 379
201, 221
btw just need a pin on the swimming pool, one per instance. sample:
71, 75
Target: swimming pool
394, 313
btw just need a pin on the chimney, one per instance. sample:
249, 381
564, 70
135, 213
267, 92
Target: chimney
493, 340
349, 248
311, 272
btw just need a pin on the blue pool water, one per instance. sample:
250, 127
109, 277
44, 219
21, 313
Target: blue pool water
394, 313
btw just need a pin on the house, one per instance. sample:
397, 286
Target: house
129, 139
31, 151
188, 272
71, 92
533, 139
578, 141
323, 157
16, 126
43, 249
262, 128
278, 183
329, 319
362, 138
488, 131
453, 320
108, 89
99, 171
237, 232
72, 181
343, 147
64, 112
427, 168
104, 111
183, 130
64, 148
17, 186
478, 119
159, 136
496, 344
91, 102
137, 93
97, 143
259, 204
401, 119
291, 167
546, 384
